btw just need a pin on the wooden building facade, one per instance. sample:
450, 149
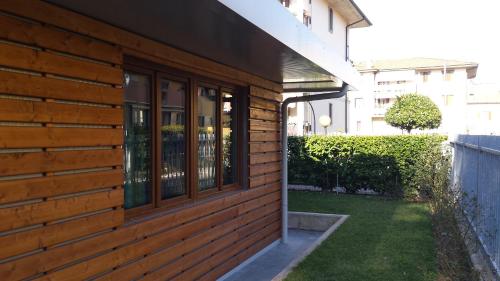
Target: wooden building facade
68, 210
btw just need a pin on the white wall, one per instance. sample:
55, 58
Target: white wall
318, 9
335, 39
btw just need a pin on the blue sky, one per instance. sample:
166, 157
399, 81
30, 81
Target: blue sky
451, 29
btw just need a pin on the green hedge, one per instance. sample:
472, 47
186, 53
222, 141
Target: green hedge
384, 163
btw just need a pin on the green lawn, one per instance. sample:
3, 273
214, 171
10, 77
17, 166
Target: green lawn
383, 240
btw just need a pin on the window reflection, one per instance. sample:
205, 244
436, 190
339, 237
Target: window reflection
207, 140
228, 138
137, 140
173, 142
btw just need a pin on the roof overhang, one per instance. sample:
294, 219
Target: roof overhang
259, 36
351, 12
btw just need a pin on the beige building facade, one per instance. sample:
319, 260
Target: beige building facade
466, 108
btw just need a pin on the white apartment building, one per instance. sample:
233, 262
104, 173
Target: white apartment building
331, 21
465, 107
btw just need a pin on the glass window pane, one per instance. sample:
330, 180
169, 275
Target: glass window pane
228, 138
207, 140
137, 140
173, 145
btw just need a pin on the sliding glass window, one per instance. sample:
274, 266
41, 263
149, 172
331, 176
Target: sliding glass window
229, 138
207, 138
180, 138
173, 138
137, 145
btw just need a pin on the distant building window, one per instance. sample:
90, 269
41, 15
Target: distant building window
382, 102
358, 102
285, 3
393, 82
292, 110
448, 75
306, 19
448, 100
425, 76
358, 126
307, 127
330, 20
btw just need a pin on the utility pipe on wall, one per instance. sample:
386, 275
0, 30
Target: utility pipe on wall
338, 93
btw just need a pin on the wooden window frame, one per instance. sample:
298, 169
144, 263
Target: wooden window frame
192, 81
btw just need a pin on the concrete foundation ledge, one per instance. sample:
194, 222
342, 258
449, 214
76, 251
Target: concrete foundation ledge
310, 221
306, 232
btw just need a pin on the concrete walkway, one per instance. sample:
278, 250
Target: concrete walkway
271, 263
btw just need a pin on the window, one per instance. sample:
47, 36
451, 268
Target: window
172, 138
358, 102
180, 138
382, 102
448, 100
292, 110
229, 138
358, 126
425, 76
285, 3
306, 19
448, 75
330, 20
137, 140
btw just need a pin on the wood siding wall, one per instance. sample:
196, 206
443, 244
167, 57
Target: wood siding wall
61, 178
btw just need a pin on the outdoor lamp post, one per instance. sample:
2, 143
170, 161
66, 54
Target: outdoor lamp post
325, 121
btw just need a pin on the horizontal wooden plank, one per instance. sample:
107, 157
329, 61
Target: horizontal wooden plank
266, 168
49, 87
259, 202
48, 62
33, 188
183, 264
261, 238
259, 125
225, 235
56, 39
59, 256
256, 102
265, 136
208, 229
54, 161
33, 137
156, 260
258, 147
25, 215
51, 14
122, 255
264, 115
22, 242
259, 158
224, 232
264, 179
265, 94
241, 257
53, 112
194, 264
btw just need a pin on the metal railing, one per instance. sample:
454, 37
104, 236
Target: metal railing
206, 160
476, 172
173, 165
